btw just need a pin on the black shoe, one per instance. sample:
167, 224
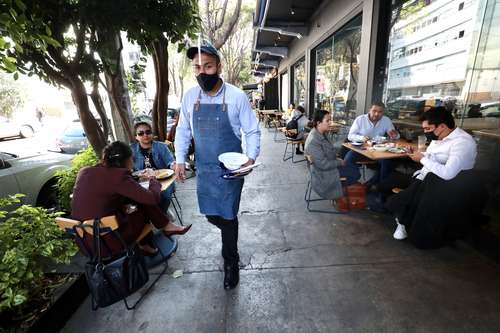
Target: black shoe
231, 276
298, 152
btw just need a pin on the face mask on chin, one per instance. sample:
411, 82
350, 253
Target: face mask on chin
207, 81
431, 136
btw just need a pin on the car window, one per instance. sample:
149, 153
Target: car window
74, 130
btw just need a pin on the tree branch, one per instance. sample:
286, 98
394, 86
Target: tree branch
227, 32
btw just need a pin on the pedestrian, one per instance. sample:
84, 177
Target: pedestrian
216, 114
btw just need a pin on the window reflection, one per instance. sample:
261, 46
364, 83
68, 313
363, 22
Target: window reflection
337, 68
299, 82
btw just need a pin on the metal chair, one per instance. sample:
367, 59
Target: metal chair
308, 193
293, 143
107, 224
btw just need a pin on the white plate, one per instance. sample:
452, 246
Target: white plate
396, 150
354, 143
380, 147
233, 161
165, 173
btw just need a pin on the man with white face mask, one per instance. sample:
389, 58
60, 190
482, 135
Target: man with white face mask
216, 114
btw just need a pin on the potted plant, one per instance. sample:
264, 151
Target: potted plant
29, 240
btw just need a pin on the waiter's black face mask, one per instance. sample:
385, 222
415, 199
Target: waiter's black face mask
207, 81
431, 135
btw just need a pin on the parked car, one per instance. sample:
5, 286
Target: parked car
11, 128
72, 139
32, 175
490, 109
171, 114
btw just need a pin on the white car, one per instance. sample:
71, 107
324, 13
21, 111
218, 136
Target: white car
11, 128
32, 175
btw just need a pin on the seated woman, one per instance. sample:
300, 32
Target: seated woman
298, 121
326, 167
150, 154
107, 188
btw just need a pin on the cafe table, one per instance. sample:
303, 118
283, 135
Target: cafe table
372, 154
167, 182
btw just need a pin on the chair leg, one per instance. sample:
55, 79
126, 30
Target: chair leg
294, 147
284, 154
178, 211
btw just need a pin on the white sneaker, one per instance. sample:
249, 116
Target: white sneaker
400, 232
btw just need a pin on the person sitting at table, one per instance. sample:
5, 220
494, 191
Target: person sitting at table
298, 122
369, 126
445, 195
109, 188
151, 154
326, 167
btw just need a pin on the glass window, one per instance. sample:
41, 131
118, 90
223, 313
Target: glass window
299, 82
459, 69
284, 92
336, 72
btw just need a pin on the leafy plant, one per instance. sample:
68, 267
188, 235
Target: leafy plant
66, 178
29, 238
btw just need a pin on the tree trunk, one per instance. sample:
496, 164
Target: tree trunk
90, 125
160, 105
110, 46
174, 83
99, 106
181, 84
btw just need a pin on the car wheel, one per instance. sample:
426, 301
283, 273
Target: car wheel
48, 197
26, 131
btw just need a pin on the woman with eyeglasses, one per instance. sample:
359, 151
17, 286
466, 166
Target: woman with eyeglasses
108, 189
151, 154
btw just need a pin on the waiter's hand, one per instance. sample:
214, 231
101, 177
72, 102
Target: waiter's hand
250, 162
416, 156
180, 171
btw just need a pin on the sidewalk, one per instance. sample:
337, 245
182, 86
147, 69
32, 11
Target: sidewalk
307, 272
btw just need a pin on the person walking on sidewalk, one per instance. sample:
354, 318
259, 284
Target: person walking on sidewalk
216, 114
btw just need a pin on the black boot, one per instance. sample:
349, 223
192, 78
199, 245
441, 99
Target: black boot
231, 276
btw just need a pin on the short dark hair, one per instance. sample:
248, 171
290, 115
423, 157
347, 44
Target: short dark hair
116, 154
438, 115
300, 108
318, 116
142, 123
378, 103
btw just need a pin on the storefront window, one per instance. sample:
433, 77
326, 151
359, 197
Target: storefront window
284, 91
336, 72
299, 82
446, 53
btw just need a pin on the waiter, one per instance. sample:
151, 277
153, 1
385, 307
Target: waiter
216, 114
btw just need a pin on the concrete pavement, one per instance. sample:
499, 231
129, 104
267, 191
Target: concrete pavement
307, 272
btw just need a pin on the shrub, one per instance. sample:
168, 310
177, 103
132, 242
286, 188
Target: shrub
66, 178
29, 237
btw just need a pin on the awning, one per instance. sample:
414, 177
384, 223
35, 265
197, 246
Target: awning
276, 24
251, 86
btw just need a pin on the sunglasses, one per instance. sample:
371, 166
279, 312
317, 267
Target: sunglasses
147, 132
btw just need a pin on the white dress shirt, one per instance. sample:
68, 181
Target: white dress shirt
446, 158
239, 111
363, 126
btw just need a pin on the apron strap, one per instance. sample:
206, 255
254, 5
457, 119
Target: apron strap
197, 104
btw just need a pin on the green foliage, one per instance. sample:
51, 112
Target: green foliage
66, 178
28, 237
11, 95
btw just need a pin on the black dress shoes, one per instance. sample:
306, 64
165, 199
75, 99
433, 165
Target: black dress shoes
231, 276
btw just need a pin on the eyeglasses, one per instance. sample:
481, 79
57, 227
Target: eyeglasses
147, 132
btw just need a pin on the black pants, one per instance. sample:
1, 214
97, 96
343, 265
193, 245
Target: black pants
229, 233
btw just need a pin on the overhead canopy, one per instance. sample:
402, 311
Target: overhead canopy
251, 86
276, 24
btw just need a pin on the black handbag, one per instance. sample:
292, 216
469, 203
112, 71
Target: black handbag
110, 282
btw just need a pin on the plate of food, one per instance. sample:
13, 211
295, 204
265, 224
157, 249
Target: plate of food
233, 161
356, 143
380, 147
164, 173
396, 150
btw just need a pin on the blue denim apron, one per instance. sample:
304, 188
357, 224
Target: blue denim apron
213, 135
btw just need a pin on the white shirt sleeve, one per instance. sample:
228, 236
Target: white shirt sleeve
183, 133
455, 162
354, 131
249, 126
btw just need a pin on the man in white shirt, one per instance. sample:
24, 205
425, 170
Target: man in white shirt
451, 151
369, 126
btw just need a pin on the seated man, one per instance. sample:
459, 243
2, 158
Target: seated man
150, 154
369, 126
443, 194
298, 122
